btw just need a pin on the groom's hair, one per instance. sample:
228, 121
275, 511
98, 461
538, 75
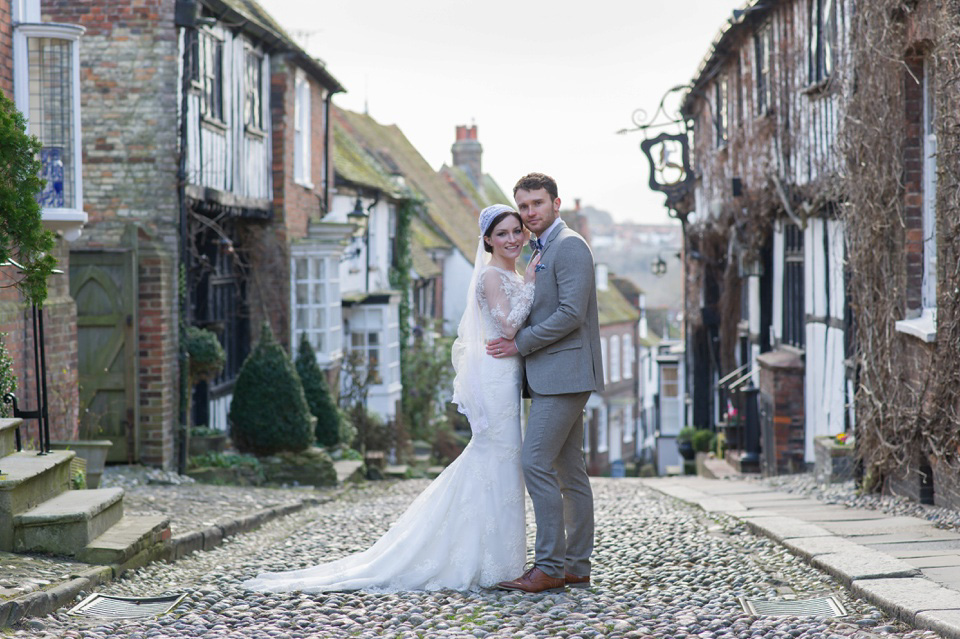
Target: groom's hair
534, 181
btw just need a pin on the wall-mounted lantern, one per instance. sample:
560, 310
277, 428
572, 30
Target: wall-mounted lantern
659, 267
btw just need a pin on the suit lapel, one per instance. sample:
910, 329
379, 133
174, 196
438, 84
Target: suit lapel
556, 231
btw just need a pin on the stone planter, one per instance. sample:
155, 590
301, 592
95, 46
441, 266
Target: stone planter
94, 451
833, 461
202, 444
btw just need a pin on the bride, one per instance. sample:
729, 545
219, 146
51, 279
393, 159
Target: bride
467, 529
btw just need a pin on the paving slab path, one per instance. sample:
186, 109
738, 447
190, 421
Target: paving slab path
663, 568
905, 565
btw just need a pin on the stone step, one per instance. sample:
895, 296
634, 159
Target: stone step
67, 523
126, 539
398, 471
26, 481
8, 440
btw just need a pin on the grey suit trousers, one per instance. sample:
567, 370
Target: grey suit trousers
556, 478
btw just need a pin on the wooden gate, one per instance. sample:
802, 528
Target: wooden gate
104, 285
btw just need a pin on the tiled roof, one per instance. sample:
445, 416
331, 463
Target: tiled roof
614, 308
353, 164
478, 198
255, 20
422, 239
444, 211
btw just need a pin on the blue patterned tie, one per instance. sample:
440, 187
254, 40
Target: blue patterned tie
535, 244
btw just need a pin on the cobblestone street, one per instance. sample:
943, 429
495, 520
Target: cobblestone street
662, 569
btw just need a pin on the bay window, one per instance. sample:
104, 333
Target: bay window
46, 80
316, 304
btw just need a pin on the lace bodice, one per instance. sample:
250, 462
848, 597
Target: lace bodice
505, 302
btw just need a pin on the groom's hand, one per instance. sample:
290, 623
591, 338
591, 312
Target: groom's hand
502, 347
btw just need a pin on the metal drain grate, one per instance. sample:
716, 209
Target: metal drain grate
816, 607
97, 605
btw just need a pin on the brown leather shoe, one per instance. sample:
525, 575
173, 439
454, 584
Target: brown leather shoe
534, 580
576, 582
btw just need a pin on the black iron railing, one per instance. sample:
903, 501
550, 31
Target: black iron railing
41, 413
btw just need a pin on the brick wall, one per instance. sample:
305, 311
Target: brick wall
294, 204
129, 61
60, 339
159, 350
782, 438
6, 48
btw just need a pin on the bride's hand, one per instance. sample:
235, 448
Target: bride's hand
530, 274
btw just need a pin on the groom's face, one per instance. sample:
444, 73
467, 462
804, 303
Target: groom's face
537, 209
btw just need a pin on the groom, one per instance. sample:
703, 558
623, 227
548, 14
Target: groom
561, 350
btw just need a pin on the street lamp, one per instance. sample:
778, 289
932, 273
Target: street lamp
361, 218
659, 267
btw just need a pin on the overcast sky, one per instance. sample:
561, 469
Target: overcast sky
547, 87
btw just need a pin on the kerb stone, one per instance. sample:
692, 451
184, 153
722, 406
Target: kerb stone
905, 598
863, 564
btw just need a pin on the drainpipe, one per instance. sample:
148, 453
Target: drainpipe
182, 292
328, 103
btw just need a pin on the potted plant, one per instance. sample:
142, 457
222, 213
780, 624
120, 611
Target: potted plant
685, 443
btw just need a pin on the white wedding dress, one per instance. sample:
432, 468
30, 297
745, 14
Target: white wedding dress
467, 530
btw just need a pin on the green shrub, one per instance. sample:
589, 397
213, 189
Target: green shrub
701, 440
317, 392
206, 354
269, 412
22, 235
685, 434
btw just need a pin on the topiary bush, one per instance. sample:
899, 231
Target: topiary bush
269, 413
206, 354
321, 402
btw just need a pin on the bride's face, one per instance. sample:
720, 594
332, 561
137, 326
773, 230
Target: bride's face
508, 238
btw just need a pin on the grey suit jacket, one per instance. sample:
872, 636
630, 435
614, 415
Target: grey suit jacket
561, 341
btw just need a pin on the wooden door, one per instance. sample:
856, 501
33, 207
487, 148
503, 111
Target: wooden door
104, 285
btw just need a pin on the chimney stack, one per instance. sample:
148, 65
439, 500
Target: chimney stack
467, 153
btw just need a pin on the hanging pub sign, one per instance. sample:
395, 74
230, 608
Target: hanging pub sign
670, 170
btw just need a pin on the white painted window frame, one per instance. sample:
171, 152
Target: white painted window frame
603, 430
614, 358
67, 220
604, 359
629, 424
924, 327
301, 128
629, 356
333, 328
929, 132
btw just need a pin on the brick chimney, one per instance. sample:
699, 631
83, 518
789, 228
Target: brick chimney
467, 151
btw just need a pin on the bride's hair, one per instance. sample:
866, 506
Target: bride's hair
493, 225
